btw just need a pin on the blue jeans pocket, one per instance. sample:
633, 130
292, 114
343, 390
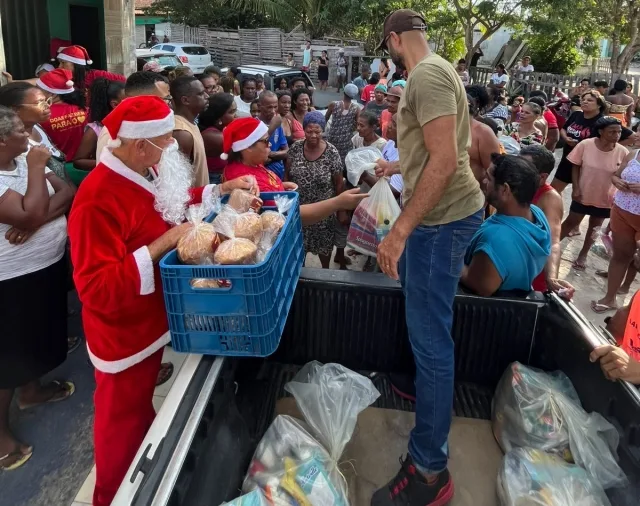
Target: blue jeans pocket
460, 241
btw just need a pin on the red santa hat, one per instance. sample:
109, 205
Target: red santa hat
75, 54
143, 117
241, 134
58, 82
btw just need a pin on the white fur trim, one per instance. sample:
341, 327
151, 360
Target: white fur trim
114, 143
55, 91
147, 129
249, 141
116, 366
145, 269
224, 156
116, 165
79, 61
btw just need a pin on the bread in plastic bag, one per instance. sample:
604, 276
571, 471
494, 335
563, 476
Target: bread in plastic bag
373, 218
236, 252
531, 477
225, 221
248, 226
532, 408
199, 244
360, 159
272, 223
302, 463
244, 201
204, 283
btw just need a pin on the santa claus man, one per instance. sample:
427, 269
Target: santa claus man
126, 215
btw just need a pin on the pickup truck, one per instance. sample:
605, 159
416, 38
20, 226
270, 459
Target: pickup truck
199, 447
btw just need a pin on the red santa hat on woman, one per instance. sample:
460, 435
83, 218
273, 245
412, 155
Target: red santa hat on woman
143, 117
75, 54
241, 134
57, 81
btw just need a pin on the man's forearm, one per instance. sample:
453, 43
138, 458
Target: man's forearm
427, 193
278, 155
552, 267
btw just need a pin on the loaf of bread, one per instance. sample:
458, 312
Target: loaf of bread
272, 222
243, 201
204, 283
248, 226
198, 245
236, 252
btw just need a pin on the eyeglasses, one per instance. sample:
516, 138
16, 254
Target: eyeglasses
168, 99
41, 104
263, 141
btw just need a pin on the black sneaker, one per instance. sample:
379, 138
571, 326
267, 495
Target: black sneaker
410, 488
404, 385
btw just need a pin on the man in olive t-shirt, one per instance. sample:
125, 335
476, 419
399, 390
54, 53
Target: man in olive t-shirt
425, 247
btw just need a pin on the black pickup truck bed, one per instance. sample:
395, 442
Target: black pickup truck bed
357, 319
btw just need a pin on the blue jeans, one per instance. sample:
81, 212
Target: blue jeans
430, 269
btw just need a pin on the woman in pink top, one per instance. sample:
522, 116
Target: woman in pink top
221, 112
594, 162
625, 231
300, 105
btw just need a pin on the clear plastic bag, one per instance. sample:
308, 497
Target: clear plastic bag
360, 159
373, 218
603, 245
198, 246
233, 250
531, 477
272, 223
532, 408
294, 464
253, 498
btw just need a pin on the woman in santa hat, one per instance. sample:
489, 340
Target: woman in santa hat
76, 60
68, 118
246, 146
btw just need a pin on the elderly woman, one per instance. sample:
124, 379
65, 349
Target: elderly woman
315, 166
33, 279
595, 161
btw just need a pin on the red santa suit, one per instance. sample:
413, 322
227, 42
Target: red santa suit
112, 222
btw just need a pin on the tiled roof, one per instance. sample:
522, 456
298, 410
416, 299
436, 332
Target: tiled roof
141, 4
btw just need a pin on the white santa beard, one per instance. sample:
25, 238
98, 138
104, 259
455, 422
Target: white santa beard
175, 177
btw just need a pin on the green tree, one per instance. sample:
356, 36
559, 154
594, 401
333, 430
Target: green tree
622, 20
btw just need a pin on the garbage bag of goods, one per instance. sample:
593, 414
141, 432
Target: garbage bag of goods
532, 408
296, 463
373, 218
531, 477
359, 160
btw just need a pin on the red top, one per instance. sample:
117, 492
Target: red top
631, 340
92, 75
550, 118
267, 180
369, 93
65, 127
540, 282
215, 164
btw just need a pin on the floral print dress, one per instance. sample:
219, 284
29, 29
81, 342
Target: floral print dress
513, 130
343, 124
315, 183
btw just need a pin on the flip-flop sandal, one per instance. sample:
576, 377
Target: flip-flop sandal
579, 267
73, 342
165, 373
23, 457
601, 308
346, 261
67, 388
602, 274
574, 233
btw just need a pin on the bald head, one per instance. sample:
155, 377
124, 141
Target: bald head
268, 104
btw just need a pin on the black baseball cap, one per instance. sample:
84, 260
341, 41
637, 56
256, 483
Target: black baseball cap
402, 20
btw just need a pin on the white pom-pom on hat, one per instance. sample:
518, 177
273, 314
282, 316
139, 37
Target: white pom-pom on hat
89, 62
114, 143
69, 83
224, 156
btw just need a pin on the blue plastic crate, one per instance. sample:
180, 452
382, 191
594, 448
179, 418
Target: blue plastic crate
246, 319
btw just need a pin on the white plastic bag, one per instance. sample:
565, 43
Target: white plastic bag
373, 218
535, 478
603, 245
541, 410
360, 159
253, 498
293, 465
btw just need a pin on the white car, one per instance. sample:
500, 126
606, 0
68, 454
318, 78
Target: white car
164, 58
191, 55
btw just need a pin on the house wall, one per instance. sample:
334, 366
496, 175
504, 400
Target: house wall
120, 36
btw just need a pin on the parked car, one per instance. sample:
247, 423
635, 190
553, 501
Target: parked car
191, 55
273, 73
164, 58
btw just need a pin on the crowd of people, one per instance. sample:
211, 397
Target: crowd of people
469, 170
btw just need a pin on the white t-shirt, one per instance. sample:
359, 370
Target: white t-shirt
390, 154
528, 68
44, 248
306, 57
497, 79
243, 109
